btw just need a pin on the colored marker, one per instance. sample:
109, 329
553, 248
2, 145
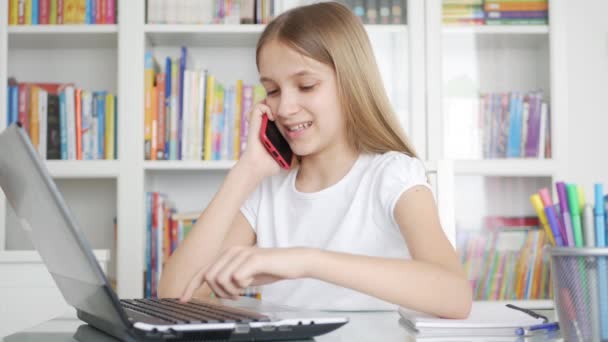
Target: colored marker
600, 241
581, 197
600, 227
552, 217
565, 211
575, 215
589, 229
538, 207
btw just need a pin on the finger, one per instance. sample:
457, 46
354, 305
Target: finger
211, 276
226, 277
244, 276
194, 284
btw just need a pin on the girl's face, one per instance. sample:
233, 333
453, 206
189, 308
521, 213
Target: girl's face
303, 96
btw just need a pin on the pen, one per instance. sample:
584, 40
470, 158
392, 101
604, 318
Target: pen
545, 327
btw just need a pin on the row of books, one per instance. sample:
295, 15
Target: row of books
498, 125
58, 12
495, 12
63, 121
507, 262
189, 115
261, 11
165, 230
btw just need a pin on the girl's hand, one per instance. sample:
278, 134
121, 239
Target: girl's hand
240, 267
255, 154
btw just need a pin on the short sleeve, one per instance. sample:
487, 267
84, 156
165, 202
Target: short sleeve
400, 173
250, 208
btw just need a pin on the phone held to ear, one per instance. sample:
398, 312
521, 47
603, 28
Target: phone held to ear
275, 143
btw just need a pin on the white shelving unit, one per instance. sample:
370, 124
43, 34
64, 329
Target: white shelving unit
483, 59
111, 57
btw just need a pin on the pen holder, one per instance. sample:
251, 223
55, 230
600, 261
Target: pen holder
580, 284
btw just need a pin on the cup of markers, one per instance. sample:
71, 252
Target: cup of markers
579, 258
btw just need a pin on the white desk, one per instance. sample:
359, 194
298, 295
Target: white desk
363, 326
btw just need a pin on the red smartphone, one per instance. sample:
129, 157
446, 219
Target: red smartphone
275, 143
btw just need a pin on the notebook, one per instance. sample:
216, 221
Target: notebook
485, 319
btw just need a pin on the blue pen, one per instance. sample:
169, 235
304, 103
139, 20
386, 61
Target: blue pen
546, 327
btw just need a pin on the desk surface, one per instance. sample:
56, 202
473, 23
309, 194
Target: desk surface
363, 326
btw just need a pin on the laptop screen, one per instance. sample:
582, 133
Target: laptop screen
42, 212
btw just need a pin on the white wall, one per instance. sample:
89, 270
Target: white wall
588, 93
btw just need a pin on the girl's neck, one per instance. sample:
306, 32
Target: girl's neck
326, 168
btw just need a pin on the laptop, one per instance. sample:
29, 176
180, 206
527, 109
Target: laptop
42, 211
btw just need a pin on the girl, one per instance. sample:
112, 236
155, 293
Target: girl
354, 225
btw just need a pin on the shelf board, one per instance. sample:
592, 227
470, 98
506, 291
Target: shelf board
62, 36
225, 35
497, 29
83, 168
507, 167
183, 165
33, 257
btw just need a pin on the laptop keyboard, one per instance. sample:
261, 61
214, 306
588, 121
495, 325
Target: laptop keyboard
173, 311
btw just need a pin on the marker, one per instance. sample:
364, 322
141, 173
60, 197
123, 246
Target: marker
540, 211
552, 218
545, 327
588, 226
575, 215
563, 205
581, 197
600, 241
600, 228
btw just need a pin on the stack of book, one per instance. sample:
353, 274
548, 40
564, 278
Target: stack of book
517, 12
58, 12
189, 115
495, 12
262, 11
498, 125
506, 261
463, 12
63, 121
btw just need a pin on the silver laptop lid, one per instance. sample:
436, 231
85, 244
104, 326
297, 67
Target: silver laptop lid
43, 213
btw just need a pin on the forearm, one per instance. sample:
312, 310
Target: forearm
412, 284
204, 241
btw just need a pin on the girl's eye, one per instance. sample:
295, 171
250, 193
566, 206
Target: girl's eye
307, 88
271, 92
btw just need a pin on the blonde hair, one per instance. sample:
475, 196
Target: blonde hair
330, 33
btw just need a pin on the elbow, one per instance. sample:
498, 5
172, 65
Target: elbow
462, 301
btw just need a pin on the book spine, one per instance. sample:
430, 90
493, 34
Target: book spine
53, 12
60, 10
167, 130
43, 114
63, 126
101, 121
53, 137
161, 108
78, 107
110, 127
35, 7
13, 12
28, 12
180, 112
110, 12
247, 105
44, 13
238, 109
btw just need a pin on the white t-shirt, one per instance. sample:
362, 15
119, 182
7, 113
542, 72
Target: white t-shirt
355, 216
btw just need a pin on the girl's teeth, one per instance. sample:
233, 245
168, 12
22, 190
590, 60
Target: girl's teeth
300, 127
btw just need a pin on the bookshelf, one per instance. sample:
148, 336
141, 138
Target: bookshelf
465, 61
414, 61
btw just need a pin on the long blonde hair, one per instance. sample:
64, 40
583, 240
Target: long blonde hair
330, 33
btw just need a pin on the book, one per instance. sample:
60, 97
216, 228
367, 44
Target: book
486, 319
